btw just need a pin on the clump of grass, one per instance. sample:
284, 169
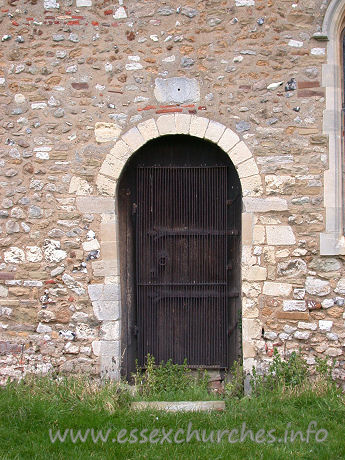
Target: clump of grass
168, 381
293, 376
73, 391
234, 388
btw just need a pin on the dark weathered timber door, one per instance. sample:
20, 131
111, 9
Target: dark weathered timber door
184, 303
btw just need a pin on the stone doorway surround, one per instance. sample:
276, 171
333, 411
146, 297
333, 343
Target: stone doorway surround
106, 298
332, 241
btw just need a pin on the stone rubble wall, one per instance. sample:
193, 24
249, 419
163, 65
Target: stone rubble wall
74, 78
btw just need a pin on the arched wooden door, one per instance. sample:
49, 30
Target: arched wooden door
186, 217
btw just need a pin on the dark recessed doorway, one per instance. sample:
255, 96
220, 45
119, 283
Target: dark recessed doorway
179, 207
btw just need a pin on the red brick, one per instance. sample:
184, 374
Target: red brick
167, 106
311, 92
148, 107
292, 315
308, 84
9, 347
82, 85
300, 53
168, 110
6, 276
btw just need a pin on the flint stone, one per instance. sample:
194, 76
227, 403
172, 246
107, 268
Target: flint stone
340, 289
325, 264
293, 268
189, 12
316, 286
187, 62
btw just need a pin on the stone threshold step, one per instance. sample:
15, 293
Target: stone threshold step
179, 406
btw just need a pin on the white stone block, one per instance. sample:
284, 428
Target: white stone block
106, 310
270, 335
331, 336
240, 153
83, 3
214, 131
315, 286
107, 132
198, 126
294, 305
325, 326
178, 90
265, 204
259, 234
110, 330
14, 255
255, 273
280, 235
120, 13
133, 139
133, 66
308, 326
43, 328
318, 51
105, 185
121, 151
251, 186
79, 186
248, 168
244, 2
92, 245
301, 335
327, 303
295, 43
95, 291
33, 254
112, 166
3, 291
166, 124
51, 4
228, 140
340, 289
148, 129
251, 329
284, 336
96, 347
277, 289
182, 122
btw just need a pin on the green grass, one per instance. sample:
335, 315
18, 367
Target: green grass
29, 409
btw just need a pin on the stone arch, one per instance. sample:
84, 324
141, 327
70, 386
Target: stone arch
109, 310
193, 125
332, 240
